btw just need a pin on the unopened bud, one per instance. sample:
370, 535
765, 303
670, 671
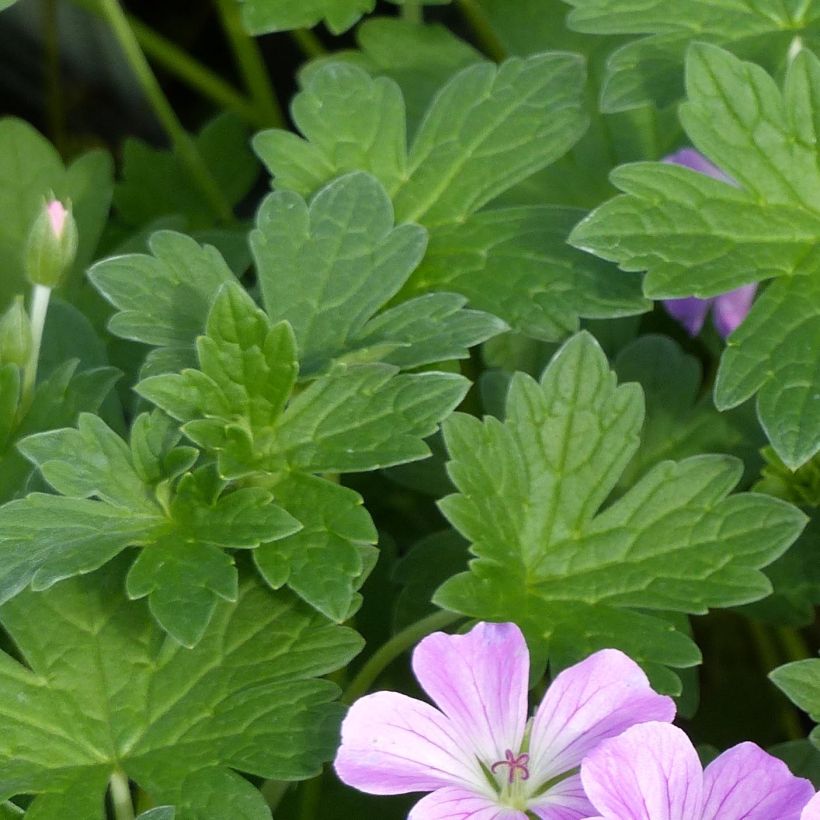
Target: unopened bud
52, 245
15, 335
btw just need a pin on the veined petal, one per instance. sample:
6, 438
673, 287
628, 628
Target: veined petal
812, 809
745, 783
689, 311
566, 800
650, 772
730, 309
393, 744
461, 804
479, 680
593, 700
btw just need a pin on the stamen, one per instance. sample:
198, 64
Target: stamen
516, 763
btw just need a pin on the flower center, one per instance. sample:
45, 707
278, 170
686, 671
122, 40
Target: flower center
517, 766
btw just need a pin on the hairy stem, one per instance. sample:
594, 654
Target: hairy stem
485, 36
181, 141
250, 64
391, 650
121, 796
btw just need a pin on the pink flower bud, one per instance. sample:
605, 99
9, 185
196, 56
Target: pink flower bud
52, 244
57, 214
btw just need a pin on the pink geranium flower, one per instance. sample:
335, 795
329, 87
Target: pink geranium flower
728, 309
477, 753
652, 772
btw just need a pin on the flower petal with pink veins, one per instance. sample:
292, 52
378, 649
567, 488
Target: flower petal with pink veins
587, 703
650, 772
479, 680
745, 783
461, 804
564, 801
392, 744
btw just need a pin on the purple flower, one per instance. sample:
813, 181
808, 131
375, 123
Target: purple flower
729, 309
477, 753
652, 772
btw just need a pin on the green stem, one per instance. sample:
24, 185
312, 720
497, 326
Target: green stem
181, 141
412, 11
40, 296
55, 109
311, 795
273, 791
770, 657
250, 63
181, 65
488, 41
795, 647
391, 650
121, 796
308, 42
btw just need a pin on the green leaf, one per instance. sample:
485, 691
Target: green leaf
578, 575
358, 417
802, 758
649, 69
111, 499
419, 58
30, 171
159, 813
516, 263
106, 692
487, 129
327, 269
162, 299
700, 236
57, 401
263, 16
681, 421
800, 681
800, 486
156, 182
324, 562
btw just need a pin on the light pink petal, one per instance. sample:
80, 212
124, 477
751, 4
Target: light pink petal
745, 783
731, 308
690, 312
812, 810
593, 700
564, 801
461, 804
650, 772
57, 214
393, 744
479, 680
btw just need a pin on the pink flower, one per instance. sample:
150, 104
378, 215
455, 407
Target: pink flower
477, 753
652, 772
729, 309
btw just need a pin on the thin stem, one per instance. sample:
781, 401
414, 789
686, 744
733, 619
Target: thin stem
181, 65
180, 139
250, 63
274, 790
488, 41
308, 42
121, 796
311, 792
412, 11
54, 99
40, 296
391, 650
794, 645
